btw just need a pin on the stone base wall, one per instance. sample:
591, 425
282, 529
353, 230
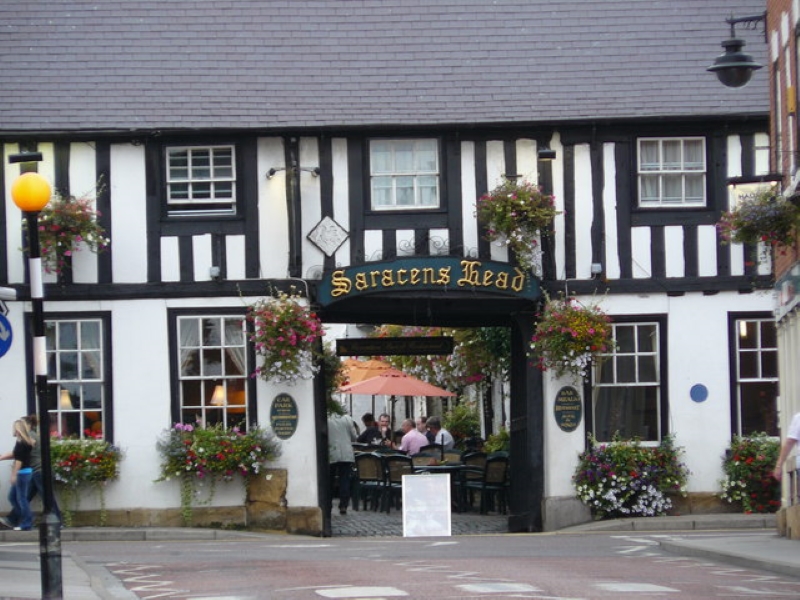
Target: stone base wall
265, 508
702, 503
789, 522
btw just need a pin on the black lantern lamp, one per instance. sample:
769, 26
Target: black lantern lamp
734, 68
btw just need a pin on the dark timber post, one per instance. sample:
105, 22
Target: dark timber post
527, 432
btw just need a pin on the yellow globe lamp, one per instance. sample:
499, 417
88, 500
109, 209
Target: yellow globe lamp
30, 192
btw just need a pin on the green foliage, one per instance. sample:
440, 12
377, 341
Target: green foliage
463, 422
748, 465
498, 442
478, 353
196, 453
626, 479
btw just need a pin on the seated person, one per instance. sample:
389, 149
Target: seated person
371, 434
412, 440
440, 436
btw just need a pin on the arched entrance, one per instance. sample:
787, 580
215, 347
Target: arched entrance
455, 292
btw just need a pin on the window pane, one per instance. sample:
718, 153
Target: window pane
68, 366
693, 158
627, 411
380, 157
68, 335
648, 370
223, 189
212, 362
748, 334
646, 338
404, 157
404, 191
90, 335
201, 164
695, 185
748, 365
179, 191
91, 365
191, 393
673, 188
381, 191
92, 395
404, 174
769, 335
426, 157
624, 337
759, 408
201, 191
211, 332
672, 155
769, 364
626, 369
650, 188
649, 156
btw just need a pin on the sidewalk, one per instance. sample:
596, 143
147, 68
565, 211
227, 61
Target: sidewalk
748, 541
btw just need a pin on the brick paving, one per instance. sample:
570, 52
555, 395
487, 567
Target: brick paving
368, 523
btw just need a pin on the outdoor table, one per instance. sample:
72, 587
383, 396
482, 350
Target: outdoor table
457, 472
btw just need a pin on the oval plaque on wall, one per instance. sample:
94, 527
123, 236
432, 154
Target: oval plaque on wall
568, 409
283, 416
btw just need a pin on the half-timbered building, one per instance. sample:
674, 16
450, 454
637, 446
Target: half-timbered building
245, 146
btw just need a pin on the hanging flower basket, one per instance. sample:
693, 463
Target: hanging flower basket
285, 336
67, 224
569, 335
761, 218
514, 213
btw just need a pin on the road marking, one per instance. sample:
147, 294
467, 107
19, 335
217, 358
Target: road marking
361, 592
639, 588
497, 588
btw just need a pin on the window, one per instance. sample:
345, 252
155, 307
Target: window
756, 390
404, 174
627, 390
672, 172
201, 180
76, 368
213, 371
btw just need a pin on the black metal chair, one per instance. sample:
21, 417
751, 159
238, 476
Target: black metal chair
474, 466
435, 449
493, 486
370, 481
395, 465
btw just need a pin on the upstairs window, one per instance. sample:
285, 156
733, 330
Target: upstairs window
404, 174
672, 172
201, 180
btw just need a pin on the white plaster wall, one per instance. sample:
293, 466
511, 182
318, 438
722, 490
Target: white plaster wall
584, 217
170, 259
83, 184
469, 189
201, 257
341, 200
527, 161
128, 214
495, 169
273, 219
311, 210
611, 262
698, 352
15, 259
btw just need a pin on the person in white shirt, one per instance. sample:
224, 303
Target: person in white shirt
440, 436
792, 437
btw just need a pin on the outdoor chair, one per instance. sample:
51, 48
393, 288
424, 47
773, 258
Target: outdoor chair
453, 456
425, 459
436, 449
493, 486
370, 481
474, 466
396, 465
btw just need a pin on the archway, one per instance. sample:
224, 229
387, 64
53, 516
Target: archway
454, 292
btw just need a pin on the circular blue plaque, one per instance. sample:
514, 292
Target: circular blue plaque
699, 392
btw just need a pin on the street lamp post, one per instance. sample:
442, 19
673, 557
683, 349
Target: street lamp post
31, 193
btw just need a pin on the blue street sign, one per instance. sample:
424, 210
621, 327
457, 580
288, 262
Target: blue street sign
6, 335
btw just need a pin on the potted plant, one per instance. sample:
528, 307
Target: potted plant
763, 218
285, 336
748, 481
626, 479
83, 463
514, 213
569, 335
67, 224
195, 454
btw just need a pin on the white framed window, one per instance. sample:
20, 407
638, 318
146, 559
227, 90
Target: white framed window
212, 373
201, 179
672, 172
76, 366
756, 376
404, 174
627, 387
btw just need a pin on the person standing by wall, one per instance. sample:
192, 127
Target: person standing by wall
792, 437
341, 435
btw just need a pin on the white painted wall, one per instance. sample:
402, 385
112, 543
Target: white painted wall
272, 210
128, 214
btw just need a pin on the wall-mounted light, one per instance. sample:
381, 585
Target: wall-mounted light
733, 67
315, 171
546, 153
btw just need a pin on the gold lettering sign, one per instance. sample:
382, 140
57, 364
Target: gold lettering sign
568, 409
431, 273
